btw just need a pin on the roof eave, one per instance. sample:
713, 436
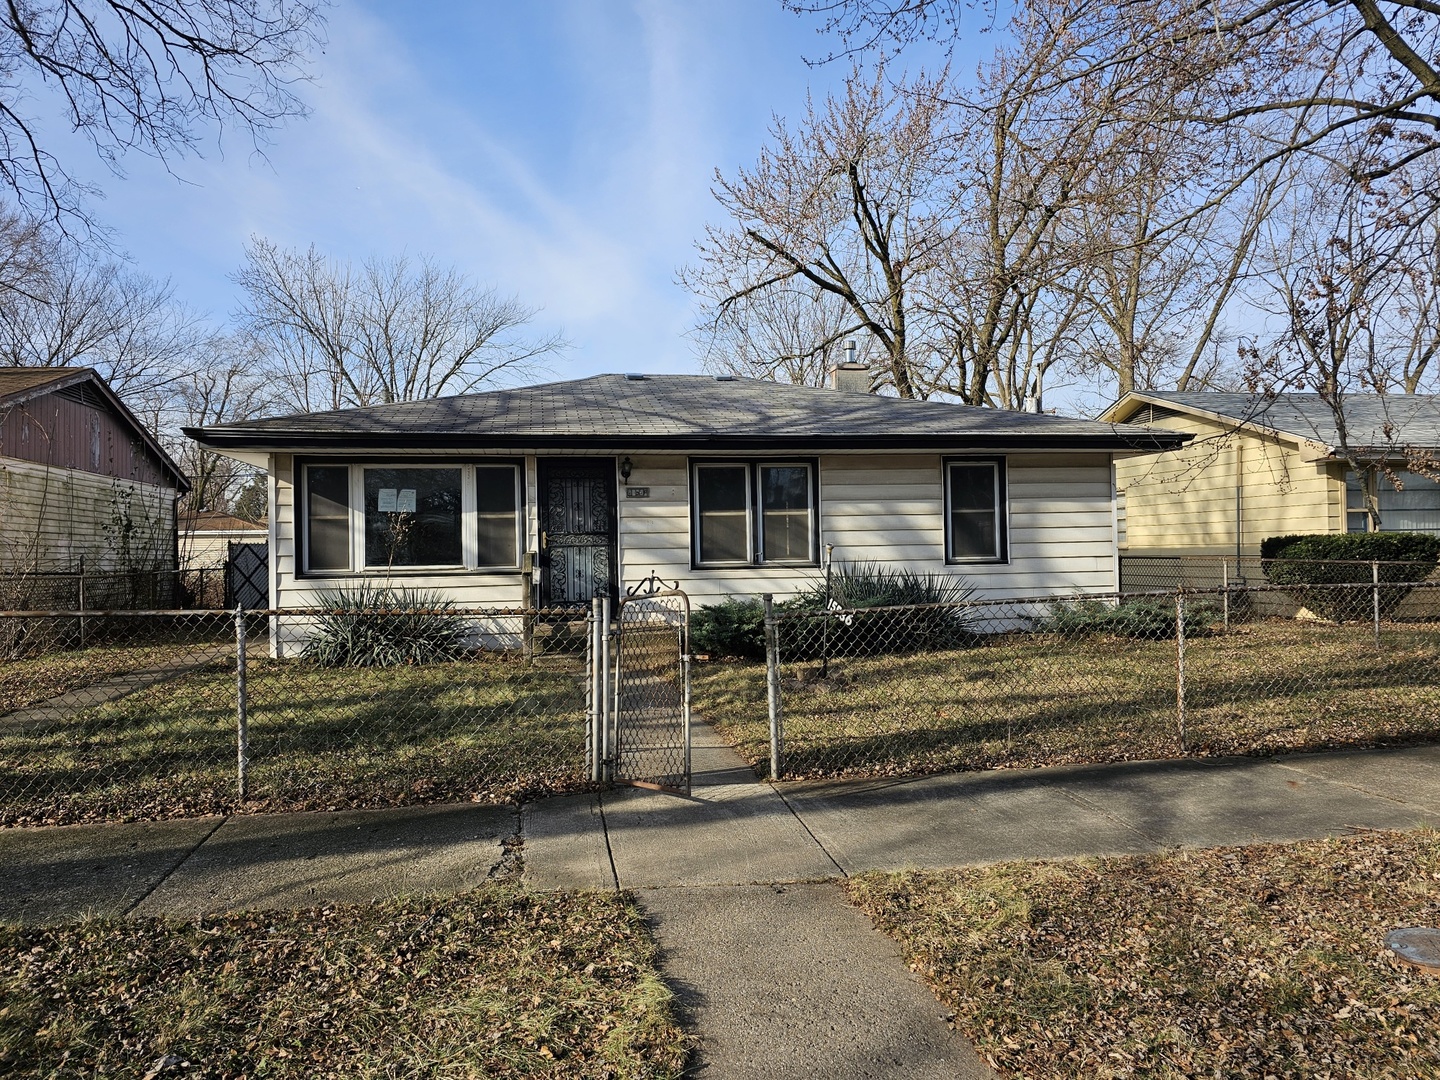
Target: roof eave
307, 441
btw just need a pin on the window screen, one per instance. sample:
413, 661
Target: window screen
412, 517
722, 506
327, 510
497, 515
975, 510
785, 523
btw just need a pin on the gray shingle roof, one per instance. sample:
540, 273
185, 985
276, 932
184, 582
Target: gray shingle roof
678, 412
1372, 421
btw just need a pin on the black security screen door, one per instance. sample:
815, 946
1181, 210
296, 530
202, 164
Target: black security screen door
577, 524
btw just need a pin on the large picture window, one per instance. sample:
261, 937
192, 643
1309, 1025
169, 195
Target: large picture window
751, 513
975, 511
384, 517
412, 517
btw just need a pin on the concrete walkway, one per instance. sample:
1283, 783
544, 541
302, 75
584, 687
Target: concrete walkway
778, 973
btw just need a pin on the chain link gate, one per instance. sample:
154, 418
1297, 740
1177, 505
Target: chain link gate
643, 690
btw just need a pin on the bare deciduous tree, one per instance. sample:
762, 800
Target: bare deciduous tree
1351, 270
1301, 73
151, 77
853, 203
393, 330
74, 307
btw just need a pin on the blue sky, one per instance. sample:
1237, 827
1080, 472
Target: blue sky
562, 150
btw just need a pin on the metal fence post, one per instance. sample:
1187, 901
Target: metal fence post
825, 623
772, 684
80, 589
1375, 597
242, 719
1225, 592
1180, 665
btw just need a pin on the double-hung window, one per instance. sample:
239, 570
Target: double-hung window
384, 517
752, 513
975, 525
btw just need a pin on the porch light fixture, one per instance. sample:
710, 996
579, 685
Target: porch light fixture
626, 467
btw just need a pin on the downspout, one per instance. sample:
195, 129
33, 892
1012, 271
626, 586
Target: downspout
1239, 502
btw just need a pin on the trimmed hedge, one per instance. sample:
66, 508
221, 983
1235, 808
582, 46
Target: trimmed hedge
1311, 562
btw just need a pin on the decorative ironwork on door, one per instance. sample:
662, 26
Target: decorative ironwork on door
577, 525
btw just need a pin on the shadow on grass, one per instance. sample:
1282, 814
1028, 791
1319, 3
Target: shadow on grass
319, 738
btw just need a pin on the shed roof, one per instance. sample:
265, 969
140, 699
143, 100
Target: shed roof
696, 412
1374, 423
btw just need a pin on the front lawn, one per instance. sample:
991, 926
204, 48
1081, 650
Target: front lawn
1023, 700
494, 728
33, 680
497, 983
1260, 961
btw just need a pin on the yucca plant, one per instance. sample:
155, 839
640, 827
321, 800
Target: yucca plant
929, 615
370, 626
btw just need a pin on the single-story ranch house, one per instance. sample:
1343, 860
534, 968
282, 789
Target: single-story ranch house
731, 486
1269, 466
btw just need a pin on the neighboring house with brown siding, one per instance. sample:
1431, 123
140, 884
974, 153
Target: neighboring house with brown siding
81, 478
1271, 466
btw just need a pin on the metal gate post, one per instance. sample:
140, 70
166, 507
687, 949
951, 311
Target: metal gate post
685, 703
597, 693
607, 687
772, 683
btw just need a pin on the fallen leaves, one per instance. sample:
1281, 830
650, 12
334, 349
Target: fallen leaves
497, 983
1167, 966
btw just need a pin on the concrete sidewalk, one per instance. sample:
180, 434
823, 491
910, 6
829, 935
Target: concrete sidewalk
780, 976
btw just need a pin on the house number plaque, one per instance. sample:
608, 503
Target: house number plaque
637, 493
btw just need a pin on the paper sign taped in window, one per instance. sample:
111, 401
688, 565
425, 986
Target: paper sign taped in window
387, 501
405, 501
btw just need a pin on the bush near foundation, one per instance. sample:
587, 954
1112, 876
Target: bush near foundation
1313, 564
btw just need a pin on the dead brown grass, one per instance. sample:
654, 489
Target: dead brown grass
1261, 961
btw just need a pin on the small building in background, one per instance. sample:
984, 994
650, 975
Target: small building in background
208, 545
87, 495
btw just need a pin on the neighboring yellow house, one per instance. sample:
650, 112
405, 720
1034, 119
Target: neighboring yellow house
1270, 466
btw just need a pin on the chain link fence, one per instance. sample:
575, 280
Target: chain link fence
122, 715
79, 589
908, 689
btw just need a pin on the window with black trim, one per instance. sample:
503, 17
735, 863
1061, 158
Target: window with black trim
753, 513
975, 510
385, 516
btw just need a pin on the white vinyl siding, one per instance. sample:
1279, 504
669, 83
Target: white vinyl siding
887, 508
51, 518
890, 508
479, 588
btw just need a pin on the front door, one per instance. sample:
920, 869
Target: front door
577, 530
